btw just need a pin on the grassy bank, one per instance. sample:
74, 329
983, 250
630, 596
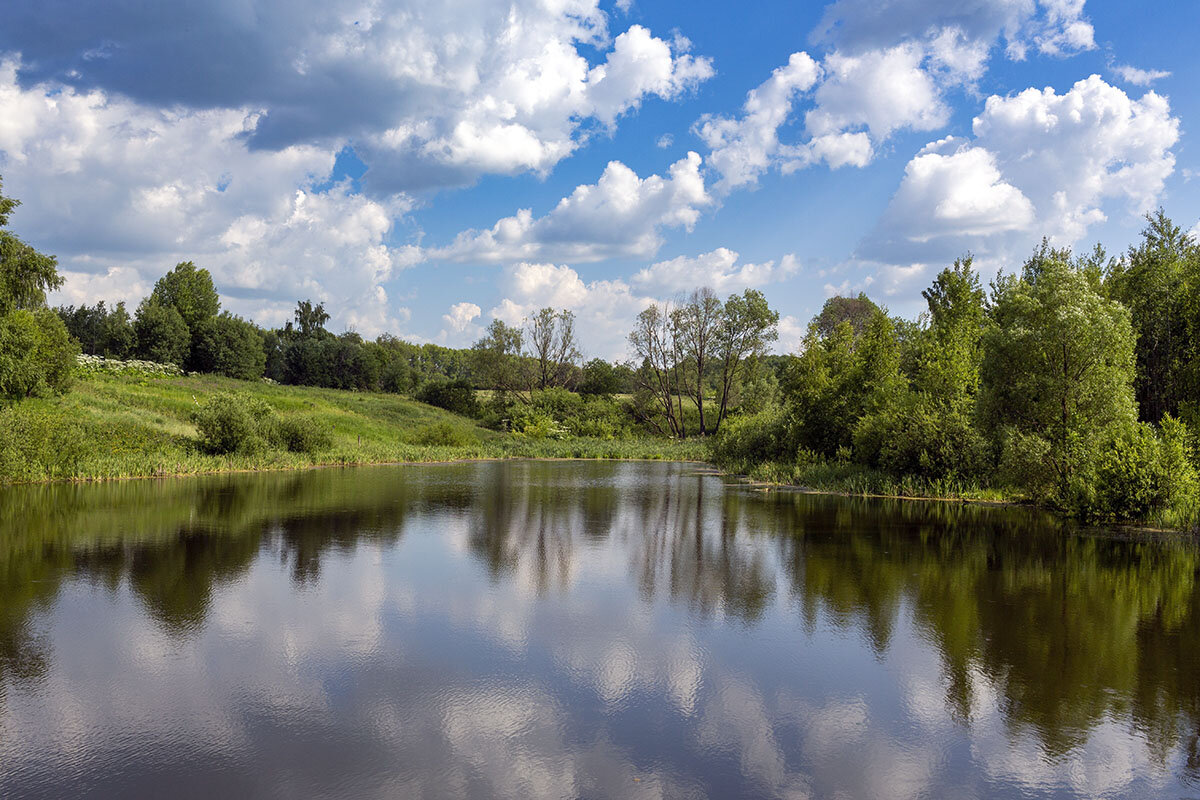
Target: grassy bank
122, 426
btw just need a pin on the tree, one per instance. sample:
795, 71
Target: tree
310, 319
119, 337
1057, 371
697, 324
858, 311
228, 345
162, 335
747, 326
37, 354
1157, 281
550, 336
654, 340
842, 376
600, 378
499, 363
190, 291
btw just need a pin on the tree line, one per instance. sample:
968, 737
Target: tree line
1075, 380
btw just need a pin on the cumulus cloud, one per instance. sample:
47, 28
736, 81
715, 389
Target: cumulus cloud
431, 95
121, 192
1039, 163
742, 148
719, 270
888, 69
621, 214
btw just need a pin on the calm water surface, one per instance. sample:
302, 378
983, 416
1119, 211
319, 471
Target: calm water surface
547, 630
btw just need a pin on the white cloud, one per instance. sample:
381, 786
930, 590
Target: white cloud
121, 192
742, 149
664, 141
619, 215
431, 94
1139, 77
461, 315
719, 270
888, 69
881, 91
1040, 164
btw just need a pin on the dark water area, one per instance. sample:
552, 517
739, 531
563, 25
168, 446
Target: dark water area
593, 630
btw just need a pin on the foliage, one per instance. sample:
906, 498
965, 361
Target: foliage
1058, 366
37, 356
599, 377
162, 334
228, 345
99, 331
1159, 282
753, 439
190, 291
457, 396
1144, 472
305, 434
235, 423
443, 434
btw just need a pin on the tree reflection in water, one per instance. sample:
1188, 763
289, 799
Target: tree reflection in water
1071, 629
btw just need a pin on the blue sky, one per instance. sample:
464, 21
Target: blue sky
423, 168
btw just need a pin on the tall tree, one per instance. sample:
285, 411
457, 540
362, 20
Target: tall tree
190, 291
697, 325
550, 336
747, 327
654, 341
1156, 281
1058, 367
499, 363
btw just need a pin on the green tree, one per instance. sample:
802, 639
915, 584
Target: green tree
1157, 281
499, 364
190, 291
747, 326
228, 345
697, 325
599, 377
1057, 371
119, 338
553, 347
36, 352
162, 335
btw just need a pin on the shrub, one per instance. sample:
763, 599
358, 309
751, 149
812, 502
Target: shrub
232, 423
1145, 472
443, 434
305, 434
918, 438
753, 439
457, 396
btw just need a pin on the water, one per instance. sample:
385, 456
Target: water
546, 630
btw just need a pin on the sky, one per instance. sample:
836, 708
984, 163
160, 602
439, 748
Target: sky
424, 168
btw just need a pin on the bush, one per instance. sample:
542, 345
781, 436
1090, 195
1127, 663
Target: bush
918, 438
304, 434
231, 423
1145, 472
753, 439
457, 396
37, 356
35, 444
443, 434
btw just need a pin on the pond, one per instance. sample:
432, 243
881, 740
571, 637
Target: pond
581, 629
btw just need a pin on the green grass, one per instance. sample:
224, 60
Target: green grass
123, 426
